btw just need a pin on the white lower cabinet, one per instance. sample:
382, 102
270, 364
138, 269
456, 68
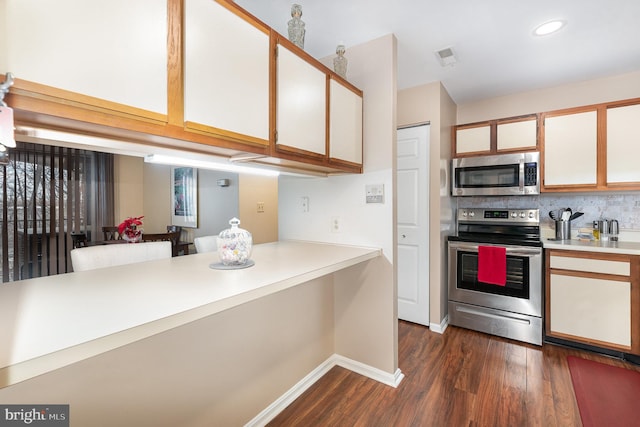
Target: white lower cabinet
593, 309
590, 298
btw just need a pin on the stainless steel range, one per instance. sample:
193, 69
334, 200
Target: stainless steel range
511, 308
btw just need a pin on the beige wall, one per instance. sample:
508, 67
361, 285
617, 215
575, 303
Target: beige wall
157, 198
129, 187
256, 189
431, 103
204, 373
589, 92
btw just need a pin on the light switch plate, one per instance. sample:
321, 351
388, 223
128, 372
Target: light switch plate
375, 193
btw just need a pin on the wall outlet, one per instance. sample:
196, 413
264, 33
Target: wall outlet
374, 193
336, 224
260, 207
304, 204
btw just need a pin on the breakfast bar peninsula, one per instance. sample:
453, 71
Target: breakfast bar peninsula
175, 342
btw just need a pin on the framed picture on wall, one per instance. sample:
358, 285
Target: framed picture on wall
184, 197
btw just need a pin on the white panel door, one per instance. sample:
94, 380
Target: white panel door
412, 224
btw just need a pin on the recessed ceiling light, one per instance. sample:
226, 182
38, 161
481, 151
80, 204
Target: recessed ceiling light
549, 27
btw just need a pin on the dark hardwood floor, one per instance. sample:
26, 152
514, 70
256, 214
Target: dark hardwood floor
459, 378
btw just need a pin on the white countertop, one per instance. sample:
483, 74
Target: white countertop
54, 321
620, 247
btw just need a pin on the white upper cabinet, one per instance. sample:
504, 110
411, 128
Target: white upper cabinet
517, 135
115, 50
570, 149
226, 71
345, 123
473, 139
301, 103
623, 144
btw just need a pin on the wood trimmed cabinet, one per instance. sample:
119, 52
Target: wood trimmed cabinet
200, 71
593, 298
345, 123
514, 134
592, 148
51, 51
225, 94
301, 103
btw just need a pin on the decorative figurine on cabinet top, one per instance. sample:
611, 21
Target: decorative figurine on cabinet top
340, 62
296, 26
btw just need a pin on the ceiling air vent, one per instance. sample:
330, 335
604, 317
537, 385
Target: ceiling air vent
446, 56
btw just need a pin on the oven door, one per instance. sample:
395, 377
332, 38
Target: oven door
523, 291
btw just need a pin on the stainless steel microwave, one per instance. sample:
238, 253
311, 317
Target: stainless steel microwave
499, 175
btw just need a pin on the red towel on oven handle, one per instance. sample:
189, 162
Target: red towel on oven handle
492, 265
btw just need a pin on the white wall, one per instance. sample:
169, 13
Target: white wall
372, 68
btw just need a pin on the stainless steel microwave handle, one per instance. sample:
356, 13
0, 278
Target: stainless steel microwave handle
473, 247
521, 176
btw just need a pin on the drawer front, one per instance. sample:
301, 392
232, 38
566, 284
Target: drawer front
622, 268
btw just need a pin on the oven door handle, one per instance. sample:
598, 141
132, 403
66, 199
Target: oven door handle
526, 252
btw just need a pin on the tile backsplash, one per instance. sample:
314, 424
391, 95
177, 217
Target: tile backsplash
623, 206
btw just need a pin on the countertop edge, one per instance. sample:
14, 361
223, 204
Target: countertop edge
626, 248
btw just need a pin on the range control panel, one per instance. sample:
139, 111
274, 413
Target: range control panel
489, 216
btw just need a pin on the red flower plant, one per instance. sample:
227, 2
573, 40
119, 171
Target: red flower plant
129, 227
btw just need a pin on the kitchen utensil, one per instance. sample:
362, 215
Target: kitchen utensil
552, 215
566, 214
575, 215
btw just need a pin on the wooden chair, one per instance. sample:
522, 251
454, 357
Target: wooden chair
172, 237
180, 245
78, 240
111, 233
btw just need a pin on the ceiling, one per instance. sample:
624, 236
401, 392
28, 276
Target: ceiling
496, 51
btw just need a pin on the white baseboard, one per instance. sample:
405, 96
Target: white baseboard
270, 412
369, 371
441, 327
